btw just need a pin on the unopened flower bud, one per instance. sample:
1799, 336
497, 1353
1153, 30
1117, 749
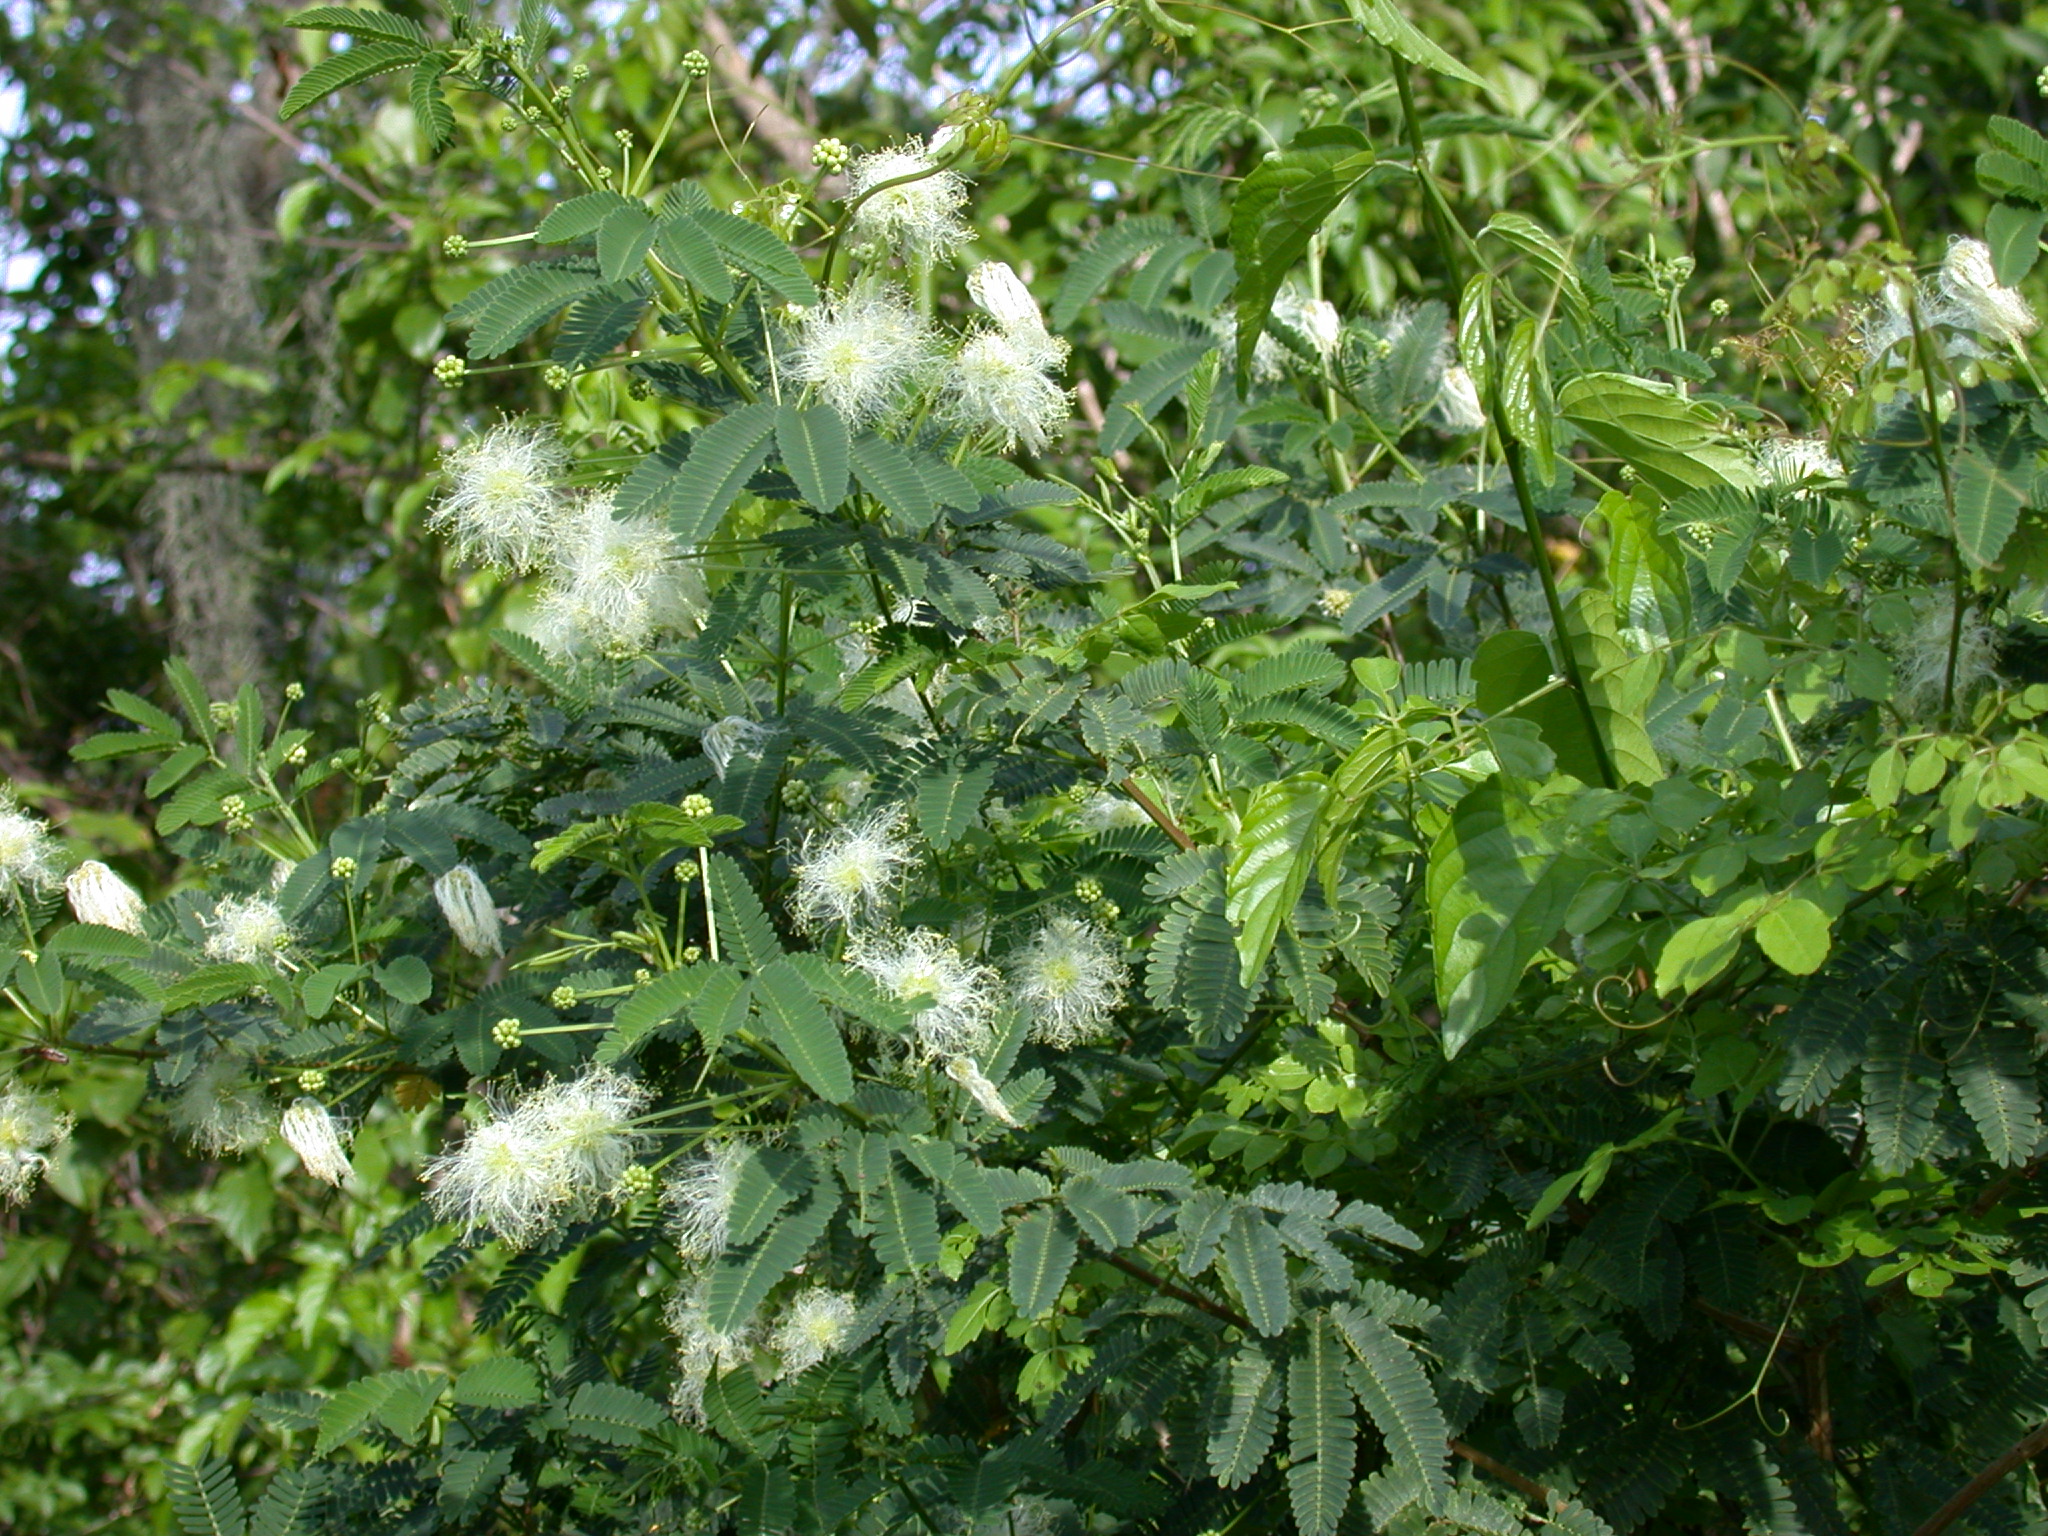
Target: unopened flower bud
507, 1033
555, 376
343, 868
695, 65
1087, 890
562, 997
579, 73
696, 805
98, 895
642, 976
312, 1080
450, 370
831, 155
636, 1182
293, 692
455, 247
692, 954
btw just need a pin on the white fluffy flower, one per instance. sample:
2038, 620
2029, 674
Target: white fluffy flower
734, 736
98, 895
557, 1153
1315, 320
1001, 383
864, 353
247, 930
219, 1110
1788, 463
617, 583
31, 1128
997, 288
319, 1139
1457, 401
849, 874
702, 1350
699, 1199
960, 1016
1921, 659
28, 853
965, 1071
1971, 281
1269, 358
1106, 809
1070, 979
920, 218
816, 1325
472, 915
502, 506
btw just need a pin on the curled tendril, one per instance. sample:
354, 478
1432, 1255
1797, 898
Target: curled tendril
1607, 1071
1600, 1007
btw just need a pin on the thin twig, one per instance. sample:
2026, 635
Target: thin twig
1151, 808
1994, 1470
1527, 1486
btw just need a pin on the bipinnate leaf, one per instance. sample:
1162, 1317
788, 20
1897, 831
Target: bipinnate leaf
1042, 1250
339, 70
742, 1277
816, 451
1256, 1262
1244, 1431
204, 1498
503, 1382
723, 458
803, 1031
1397, 1397
1322, 1446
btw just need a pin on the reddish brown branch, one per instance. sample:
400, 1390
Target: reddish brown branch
1526, 1486
1151, 808
1975, 1489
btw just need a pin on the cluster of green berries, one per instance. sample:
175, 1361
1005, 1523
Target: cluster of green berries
450, 370
507, 1033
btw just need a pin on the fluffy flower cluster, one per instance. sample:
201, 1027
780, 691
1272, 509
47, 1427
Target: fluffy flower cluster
503, 506
616, 583
1070, 979
98, 895
472, 916
865, 353
702, 1350
1963, 305
219, 1110
849, 875
320, 1140
1003, 380
31, 1128
1970, 282
28, 853
699, 1199
817, 1325
1921, 656
1788, 463
959, 1018
556, 1154
248, 930
920, 218
734, 736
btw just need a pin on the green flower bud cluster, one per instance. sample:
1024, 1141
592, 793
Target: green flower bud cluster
450, 370
507, 1033
695, 65
696, 805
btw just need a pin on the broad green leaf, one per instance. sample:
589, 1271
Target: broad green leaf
1385, 25
1646, 573
1500, 882
1525, 398
1701, 949
1280, 205
2014, 235
1796, 934
803, 1031
723, 458
1269, 864
1620, 682
1353, 789
339, 70
1675, 444
1257, 1265
987, 1307
1043, 1247
816, 451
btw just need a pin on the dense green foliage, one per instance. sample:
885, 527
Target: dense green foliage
1425, 919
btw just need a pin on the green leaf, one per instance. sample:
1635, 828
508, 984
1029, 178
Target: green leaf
743, 927
1108, 1217
502, 1382
1244, 1431
1279, 208
1385, 25
816, 451
1990, 494
431, 113
987, 1307
889, 474
1269, 864
1500, 882
1257, 1265
154, 721
1092, 269
686, 246
191, 698
580, 217
215, 984
1701, 949
1043, 1247
1676, 444
1525, 398
407, 978
803, 1031
2014, 235
741, 1278
623, 241
650, 1007
340, 70
596, 324
948, 801
1994, 1079
769, 1178
289, 1503
906, 1220
204, 1498
1796, 934
723, 458
511, 307
757, 252
1322, 1440
604, 1410
1396, 1396
372, 25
